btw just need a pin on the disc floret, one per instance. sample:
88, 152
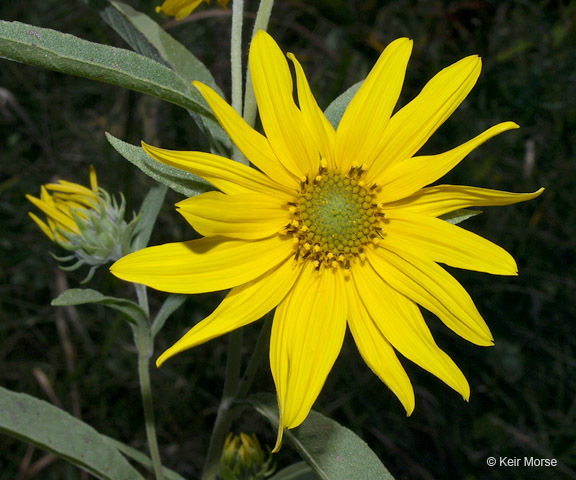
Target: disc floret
334, 218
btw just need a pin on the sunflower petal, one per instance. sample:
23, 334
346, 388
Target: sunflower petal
401, 323
43, 226
440, 241
404, 178
316, 122
204, 265
239, 308
378, 353
281, 118
429, 285
415, 123
248, 216
361, 131
252, 144
441, 199
225, 174
51, 210
307, 335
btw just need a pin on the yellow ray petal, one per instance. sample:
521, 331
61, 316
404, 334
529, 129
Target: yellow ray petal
404, 178
441, 199
52, 211
316, 122
45, 228
69, 187
361, 130
378, 353
440, 241
252, 144
243, 305
281, 118
204, 265
415, 123
307, 335
226, 175
401, 323
429, 285
246, 216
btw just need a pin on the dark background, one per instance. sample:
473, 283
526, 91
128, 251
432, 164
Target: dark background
523, 389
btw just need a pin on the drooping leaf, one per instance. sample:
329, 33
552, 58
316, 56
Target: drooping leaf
54, 430
458, 216
80, 296
149, 39
336, 109
66, 53
331, 450
178, 180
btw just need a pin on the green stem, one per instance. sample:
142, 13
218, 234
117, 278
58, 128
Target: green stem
261, 23
145, 388
236, 65
144, 344
225, 413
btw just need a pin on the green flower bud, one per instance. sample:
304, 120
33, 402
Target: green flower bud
88, 222
243, 459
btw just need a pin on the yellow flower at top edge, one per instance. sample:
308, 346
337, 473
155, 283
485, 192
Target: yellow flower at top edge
334, 228
182, 8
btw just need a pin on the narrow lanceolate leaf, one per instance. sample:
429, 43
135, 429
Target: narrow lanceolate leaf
80, 296
459, 216
178, 180
338, 106
65, 53
47, 427
147, 216
331, 450
149, 39
139, 457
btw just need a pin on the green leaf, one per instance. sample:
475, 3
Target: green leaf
178, 180
80, 296
337, 108
47, 427
458, 216
147, 217
149, 39
65, 53
331, 450
297, 471
170, 305
140, 457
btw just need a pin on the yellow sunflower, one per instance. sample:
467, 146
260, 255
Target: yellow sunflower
333, 228
182, 8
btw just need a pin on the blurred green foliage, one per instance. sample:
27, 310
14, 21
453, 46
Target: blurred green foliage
523, 399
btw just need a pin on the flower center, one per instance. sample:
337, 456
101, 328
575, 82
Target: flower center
334, 218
